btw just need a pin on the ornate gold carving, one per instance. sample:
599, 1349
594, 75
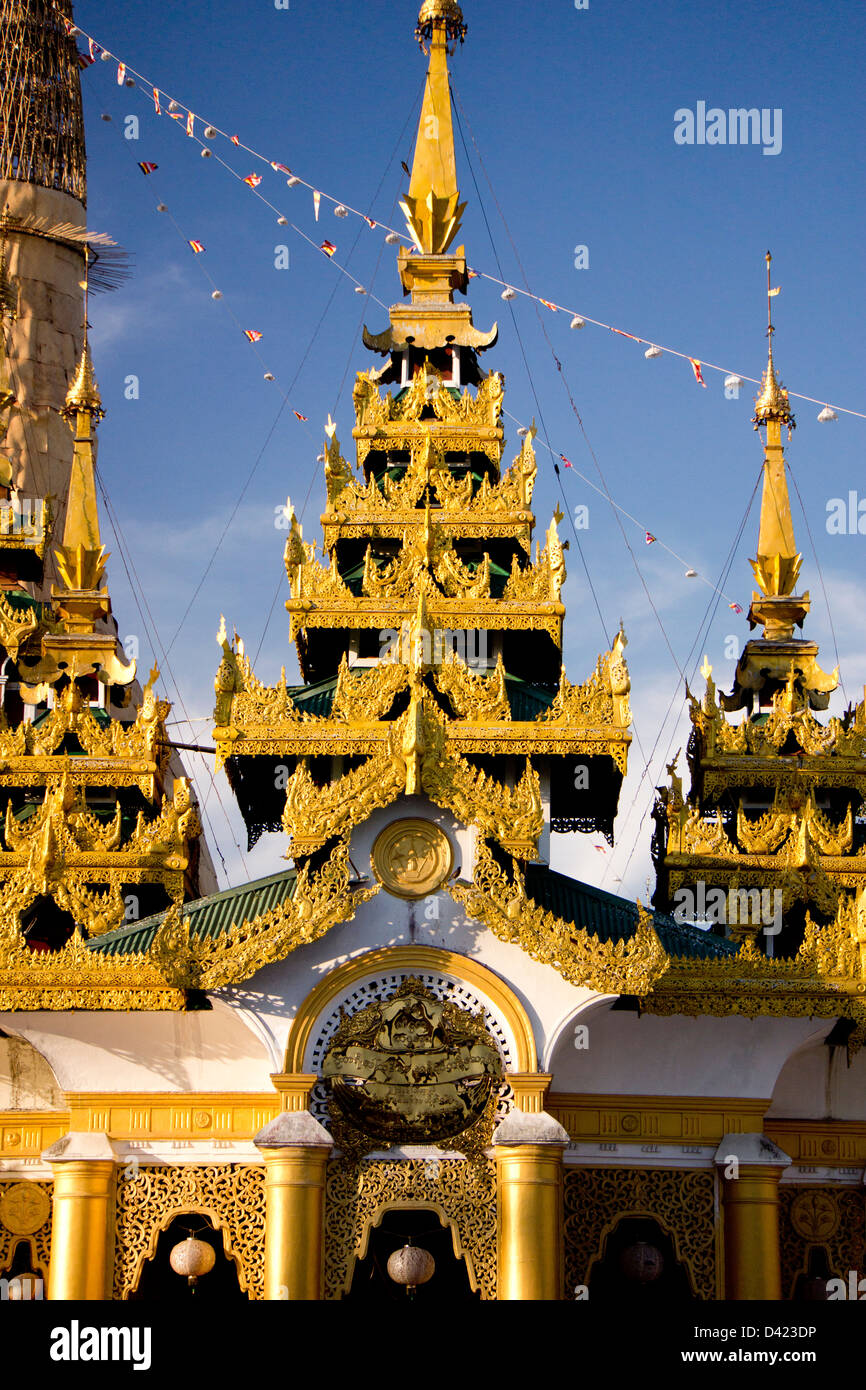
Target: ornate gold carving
502, 904
475, 697
24, 1207
78, 978
412, 858
681, 1201
806, 1222
313, 815
232, 1198
462, 1193
412, 1069
321, 900
38, 1238
17, 626
367, 695
815, 1215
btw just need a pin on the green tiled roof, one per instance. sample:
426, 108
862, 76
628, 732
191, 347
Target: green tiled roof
315, 699
527, 701
208, 917
615, 919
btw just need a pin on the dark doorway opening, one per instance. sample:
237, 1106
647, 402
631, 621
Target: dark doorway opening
160, 1284
450, 1282
637, 1247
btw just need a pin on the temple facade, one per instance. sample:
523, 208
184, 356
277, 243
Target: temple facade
418, 1061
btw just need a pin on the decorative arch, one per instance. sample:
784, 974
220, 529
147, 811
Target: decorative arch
593, 1005
149, 1251
409, 959
377, 1217
231, 1198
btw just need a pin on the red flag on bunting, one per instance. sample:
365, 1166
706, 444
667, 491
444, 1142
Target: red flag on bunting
370, 223
146, 167
735, 607
156, 101
317, 202
197, 247
547, 304
568, 463
253, 334
253, 180
471, 274
95, 50
84, 61
190, 124
298, 416
121, 74
280, 168
650, 538
328, 247
696, 368
235, 139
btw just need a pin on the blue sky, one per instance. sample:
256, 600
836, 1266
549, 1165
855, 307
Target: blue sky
572, 112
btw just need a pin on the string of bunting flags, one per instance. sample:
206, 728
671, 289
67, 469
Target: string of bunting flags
129, 77
329, 249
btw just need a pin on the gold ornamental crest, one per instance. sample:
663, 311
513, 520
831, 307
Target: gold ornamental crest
411, 1069
24, 1208
412, 858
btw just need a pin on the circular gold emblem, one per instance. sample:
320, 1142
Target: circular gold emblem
24, 1207
815, 1215
412, 858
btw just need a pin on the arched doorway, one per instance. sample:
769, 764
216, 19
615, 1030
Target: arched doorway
158, 1282
639, 1265
420, 1225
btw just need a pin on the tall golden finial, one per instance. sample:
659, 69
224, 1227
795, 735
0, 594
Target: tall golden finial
81, 558
777, 566
432, 207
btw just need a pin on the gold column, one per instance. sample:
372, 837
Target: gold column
82, 1232
296, 1149
529, 1149
751, 1166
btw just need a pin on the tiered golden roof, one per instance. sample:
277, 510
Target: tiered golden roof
425, 538
775, 799
87, 824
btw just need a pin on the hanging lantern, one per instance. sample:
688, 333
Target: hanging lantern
206, 154
410, 1267
642, 1263
341, 211
23, 1288
391, 239
130, 82
161, 207
269, 376
827, 414
106, 57
217, 294
191, 1259
578, 322
509, 293
734, 383
653, 352
283, 221
293, 181
691, 574
105, 116
359, 289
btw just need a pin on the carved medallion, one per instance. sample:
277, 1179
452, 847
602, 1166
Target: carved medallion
815, 1215
411, 1069
24, 1207
412, 858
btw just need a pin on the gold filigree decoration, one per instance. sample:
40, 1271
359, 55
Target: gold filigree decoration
367, 695
681, 1201
313, 815
476, 697
412, 858
321, 899
602, 700
502, 904
39, 1239
815, 1218
463, 1194
78, 978
17, 626
231, 1197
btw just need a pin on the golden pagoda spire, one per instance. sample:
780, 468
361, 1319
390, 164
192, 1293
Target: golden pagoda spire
432, 207
78, 649
778, 562
81, 558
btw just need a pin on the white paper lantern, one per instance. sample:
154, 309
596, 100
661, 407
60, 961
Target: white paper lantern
653, 352
411, 1266
341, 211
392, 238
209, 132
206, 154
509, 293
293, 181
192, 1259
734, 383
827, 415
578, 322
